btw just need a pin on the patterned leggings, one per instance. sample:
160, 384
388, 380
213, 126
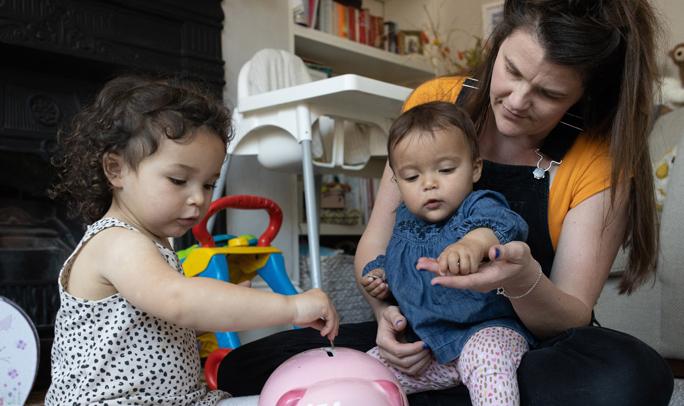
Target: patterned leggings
487, 367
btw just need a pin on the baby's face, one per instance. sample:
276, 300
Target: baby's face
434, 173
171, 189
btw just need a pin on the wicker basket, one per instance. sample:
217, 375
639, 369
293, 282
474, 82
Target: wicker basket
337, 280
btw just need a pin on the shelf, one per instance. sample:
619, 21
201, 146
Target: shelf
346, 56
335, 229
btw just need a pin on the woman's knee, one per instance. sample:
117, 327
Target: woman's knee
594, 366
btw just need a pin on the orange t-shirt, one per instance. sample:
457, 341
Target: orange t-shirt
584, 171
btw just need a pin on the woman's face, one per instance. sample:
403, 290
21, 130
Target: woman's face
528, 94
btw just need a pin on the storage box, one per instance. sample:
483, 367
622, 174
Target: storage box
332, 199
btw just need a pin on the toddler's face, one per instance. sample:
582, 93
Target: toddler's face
434, 173
171, 189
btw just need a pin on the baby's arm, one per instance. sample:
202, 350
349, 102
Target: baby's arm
488, 221
133, 265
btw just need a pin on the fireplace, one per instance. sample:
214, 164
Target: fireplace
55, 55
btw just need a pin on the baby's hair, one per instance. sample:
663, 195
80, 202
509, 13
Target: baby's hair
129, 116
428, 117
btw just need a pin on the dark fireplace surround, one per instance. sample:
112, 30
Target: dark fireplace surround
55, 55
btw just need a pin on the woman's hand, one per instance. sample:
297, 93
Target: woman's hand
375, 285
313, 308
410, 358
504, 270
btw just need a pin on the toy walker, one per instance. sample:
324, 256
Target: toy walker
236, 259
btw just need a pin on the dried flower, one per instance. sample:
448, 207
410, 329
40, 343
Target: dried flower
442, 59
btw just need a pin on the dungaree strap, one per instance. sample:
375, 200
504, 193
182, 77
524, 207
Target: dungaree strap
529, 197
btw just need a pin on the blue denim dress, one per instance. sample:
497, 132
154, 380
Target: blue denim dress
444, 318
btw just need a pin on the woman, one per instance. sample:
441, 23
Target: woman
562, 108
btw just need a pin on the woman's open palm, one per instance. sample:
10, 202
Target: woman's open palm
506, 262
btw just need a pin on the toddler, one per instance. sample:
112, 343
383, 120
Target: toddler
475, 337
140, 163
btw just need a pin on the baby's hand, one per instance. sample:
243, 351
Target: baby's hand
313, 308
375, 285
461, 258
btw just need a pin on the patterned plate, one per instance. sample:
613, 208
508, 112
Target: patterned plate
19, 349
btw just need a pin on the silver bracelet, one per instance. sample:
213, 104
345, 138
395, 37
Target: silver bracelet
502, 292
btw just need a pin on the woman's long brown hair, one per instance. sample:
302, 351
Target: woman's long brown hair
612, 44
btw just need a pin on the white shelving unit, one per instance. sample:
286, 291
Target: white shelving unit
346, 56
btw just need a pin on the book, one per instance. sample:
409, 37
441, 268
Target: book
324, 71
340, 11
390, 35
363, 25
377, 24
325, 16
312, 13
351, 3
351, 23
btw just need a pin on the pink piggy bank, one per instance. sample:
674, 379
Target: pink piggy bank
332, 377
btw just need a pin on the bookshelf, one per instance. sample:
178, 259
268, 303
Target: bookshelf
363, 189
346, 56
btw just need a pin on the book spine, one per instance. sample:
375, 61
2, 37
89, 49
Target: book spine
363, 26
341, 20
351, 23
325, 16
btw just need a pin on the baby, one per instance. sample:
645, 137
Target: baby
475, 338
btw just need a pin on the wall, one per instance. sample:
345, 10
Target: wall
246, 175
467, 16
463, 18
672, 16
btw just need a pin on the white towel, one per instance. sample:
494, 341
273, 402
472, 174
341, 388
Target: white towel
273, 69
356, 143
322, 138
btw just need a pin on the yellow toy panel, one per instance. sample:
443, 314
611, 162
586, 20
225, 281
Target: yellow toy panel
243, 262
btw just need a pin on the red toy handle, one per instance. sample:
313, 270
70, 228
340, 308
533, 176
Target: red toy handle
247, 202
211, 366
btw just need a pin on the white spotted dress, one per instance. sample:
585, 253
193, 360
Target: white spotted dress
109, 352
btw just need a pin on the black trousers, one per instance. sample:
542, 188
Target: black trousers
585, 366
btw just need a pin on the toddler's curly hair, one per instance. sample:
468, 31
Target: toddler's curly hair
129, 116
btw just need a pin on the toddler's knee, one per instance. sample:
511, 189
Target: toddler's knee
497, 349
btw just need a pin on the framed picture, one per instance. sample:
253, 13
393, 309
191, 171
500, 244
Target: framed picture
410, 42
492, 14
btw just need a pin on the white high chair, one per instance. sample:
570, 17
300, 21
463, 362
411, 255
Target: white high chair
270, 124
19, 351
